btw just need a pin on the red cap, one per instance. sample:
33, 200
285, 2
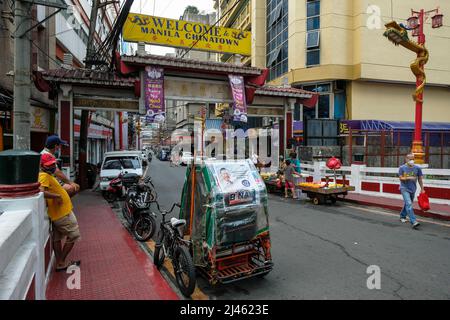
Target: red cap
47, 159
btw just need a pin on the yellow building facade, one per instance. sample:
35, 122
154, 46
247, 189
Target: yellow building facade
337, 48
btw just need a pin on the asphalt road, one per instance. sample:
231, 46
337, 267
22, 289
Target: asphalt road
323, 252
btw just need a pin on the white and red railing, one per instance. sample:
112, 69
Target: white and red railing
383, 182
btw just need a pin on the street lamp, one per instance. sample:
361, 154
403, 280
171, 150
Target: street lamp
398, 34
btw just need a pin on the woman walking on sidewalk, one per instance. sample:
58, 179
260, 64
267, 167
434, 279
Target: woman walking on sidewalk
409, 174
289, 183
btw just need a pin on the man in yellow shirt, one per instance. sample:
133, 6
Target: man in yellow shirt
64, 222
53, 146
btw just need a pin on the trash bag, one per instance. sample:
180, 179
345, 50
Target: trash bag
424, 202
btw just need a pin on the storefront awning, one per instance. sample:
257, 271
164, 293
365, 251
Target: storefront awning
378, 125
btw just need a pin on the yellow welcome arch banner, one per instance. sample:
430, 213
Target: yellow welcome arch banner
184, 34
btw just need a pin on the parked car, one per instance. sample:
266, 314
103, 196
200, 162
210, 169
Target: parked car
115, 163
163, 154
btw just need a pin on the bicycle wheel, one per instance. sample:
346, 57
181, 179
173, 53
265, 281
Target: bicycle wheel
144, 228
184, 271
159, 255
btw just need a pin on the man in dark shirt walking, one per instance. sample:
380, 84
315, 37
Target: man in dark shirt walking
409, 175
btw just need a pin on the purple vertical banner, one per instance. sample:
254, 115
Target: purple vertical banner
240, 103
154, 94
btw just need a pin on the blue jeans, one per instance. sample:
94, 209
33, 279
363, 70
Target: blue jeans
408, 209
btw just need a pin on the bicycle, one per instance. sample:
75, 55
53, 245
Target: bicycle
171, 244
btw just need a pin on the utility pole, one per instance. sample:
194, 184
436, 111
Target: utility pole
91, 40
22, 77
84, 123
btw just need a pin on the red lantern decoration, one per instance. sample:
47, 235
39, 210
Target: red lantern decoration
413, 22
334, 164
437, 20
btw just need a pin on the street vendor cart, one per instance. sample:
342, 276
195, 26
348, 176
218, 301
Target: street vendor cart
225, 206
320, 193
323, 191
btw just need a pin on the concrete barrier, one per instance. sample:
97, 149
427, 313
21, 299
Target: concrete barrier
25, 248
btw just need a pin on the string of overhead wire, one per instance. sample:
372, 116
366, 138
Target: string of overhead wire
107, 49
210, 28
45, 53
168, 5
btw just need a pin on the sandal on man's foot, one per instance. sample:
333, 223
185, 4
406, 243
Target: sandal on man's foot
71, 263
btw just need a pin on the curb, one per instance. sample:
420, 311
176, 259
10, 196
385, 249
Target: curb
418, 212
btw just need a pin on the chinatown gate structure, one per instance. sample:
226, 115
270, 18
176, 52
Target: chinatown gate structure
184, 80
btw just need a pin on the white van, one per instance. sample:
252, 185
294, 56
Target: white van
118, 162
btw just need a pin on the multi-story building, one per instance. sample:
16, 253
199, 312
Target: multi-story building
205, 18
59, 41
42, 56
236, 14
337, 48
181, 114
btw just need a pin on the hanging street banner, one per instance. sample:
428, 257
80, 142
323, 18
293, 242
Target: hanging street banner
154, 94
238, 92
184, 34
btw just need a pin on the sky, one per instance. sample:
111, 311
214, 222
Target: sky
168, 9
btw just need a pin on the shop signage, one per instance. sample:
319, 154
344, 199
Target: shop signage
346, 125
94, 131
238, 92
154, 94
197, 91
185, 34
40, 119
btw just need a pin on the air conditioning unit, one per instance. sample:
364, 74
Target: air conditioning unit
67, 61
141, 49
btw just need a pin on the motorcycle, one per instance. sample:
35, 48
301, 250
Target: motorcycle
136, 208
115, 190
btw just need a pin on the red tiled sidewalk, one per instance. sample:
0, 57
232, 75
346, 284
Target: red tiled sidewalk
438, 211
113, 266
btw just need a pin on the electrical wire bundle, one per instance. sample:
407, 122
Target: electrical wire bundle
105, 54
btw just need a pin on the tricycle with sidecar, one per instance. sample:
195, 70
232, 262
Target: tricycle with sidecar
225, 206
